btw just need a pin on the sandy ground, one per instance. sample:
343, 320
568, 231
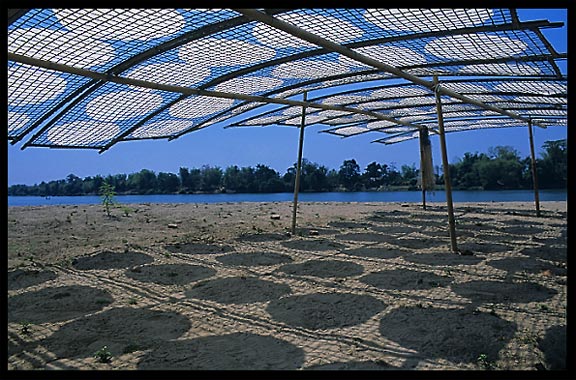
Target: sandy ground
360, 286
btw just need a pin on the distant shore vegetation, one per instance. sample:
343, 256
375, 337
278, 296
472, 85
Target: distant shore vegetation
500, 168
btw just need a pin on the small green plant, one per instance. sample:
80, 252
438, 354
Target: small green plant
484, 362
131, 348
25, 327
132, 301
103, 355
107, 194
102, 301
544, 307
126, 210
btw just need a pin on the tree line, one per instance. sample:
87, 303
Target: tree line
500, 168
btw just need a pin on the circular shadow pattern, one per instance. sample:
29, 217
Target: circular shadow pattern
262, 237
503, 292
198, 248
420, 243
553, 346
312, 231
547, 253
23, 278
394, 214
323, 268
313, 245
111, 260
56, 304
254, 259
487, 247
458, 335
352, 366
237, 351
490, 238
425, 222
374, 252
347, 224
170, 274
325, 311
518, 223
237, 290
405, 279
117, 328
394, 229
526, 264
523, 230
445, 258
366, 236
480, 225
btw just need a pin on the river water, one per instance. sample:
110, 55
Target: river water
387, 196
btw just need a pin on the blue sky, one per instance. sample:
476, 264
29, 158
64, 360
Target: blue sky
275, 146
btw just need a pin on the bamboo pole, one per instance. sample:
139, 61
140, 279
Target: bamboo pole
422, 180
446, 169
533, 167
298, 167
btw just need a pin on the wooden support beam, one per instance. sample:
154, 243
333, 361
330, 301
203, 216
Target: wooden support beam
446, 168
298, 167
533, 167
422, 179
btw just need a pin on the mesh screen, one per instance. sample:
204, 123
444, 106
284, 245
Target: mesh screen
220, 50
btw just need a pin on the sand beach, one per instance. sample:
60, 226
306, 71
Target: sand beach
226, 286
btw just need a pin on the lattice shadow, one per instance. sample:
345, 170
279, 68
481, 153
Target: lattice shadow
323, 268
170, 274
23, 278
442, 259
526, 264
547, 253
405, 279
554, 347
237, 351
353, 366
458, 335
238, 290
366, 237
254, 259
56, 304
374, 252
198, 248
119, 329
313, 245
262, 237
503, 292
325, 311
111, 260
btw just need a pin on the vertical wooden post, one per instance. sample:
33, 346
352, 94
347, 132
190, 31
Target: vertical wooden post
298, 167
533, 167
422, 180
446, 169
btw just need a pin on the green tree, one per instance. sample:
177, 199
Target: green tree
211, 178
552, 168
143, 182
168, 183
410, 175
313, 177
502, 171
373, 175
349, 174
464, 173
184, 174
